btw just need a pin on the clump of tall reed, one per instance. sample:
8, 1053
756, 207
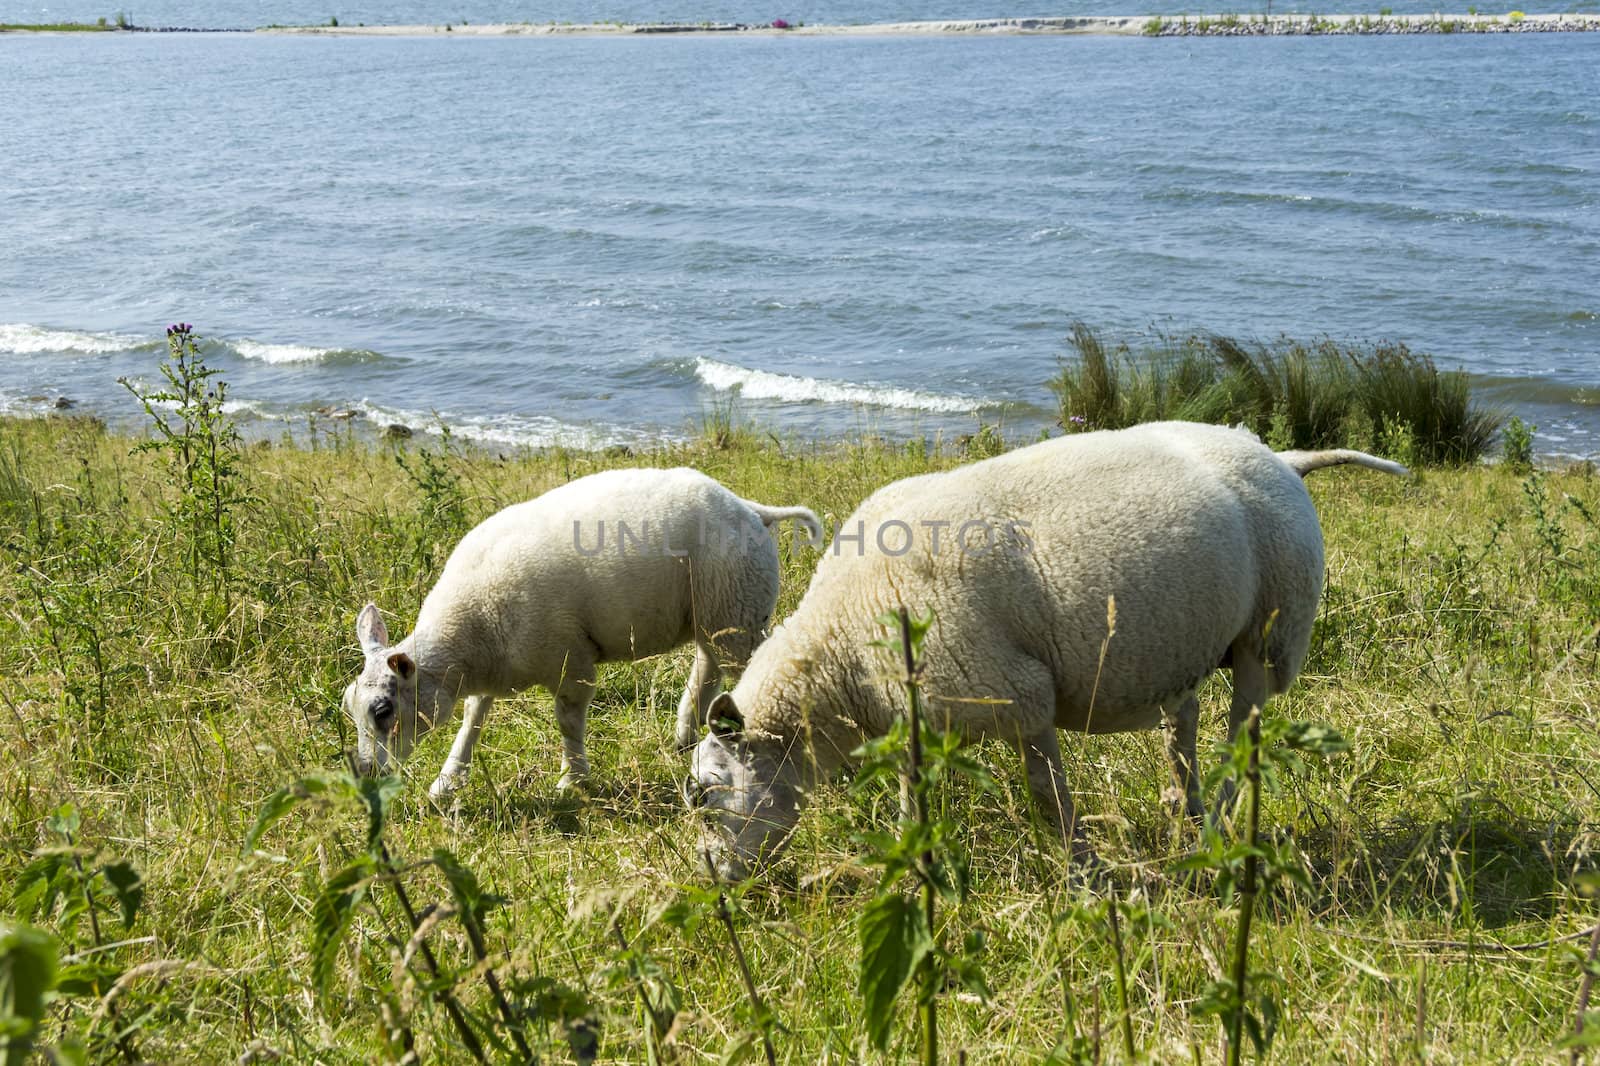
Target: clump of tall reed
1327, 394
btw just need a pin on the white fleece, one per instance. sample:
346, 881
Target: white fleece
615, 566
1205, 539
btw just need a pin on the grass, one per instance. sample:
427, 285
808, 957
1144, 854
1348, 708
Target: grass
1382, 397
1456, 652
55, 27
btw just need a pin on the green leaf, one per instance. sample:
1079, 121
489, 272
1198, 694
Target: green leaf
687, 912
69, 1051
127, 885
738, 1049
1315, 738
88, 978
469, 895
1590, 1037
895, 938
377, 793
331, 914
27, 973
36, 888
289, 796
65, 821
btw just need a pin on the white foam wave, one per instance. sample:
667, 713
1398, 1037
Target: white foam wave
21, 338
250, 408
280, 353
506, 430
793, 388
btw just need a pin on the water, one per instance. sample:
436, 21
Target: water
596, 240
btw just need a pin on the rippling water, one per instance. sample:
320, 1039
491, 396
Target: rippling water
597, 239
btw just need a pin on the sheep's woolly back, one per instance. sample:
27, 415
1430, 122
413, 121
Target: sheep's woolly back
1304, 463
614, 566
1203, 537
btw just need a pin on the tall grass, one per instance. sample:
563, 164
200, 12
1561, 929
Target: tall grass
1441, 918
1293, 395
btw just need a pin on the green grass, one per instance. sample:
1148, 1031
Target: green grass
1382, 397
54, 27
1456, 651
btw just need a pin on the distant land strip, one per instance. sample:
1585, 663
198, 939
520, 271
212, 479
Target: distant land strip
1226, 25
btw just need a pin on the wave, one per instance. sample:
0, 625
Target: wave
506, 430
793, 388
298, 353
22, 338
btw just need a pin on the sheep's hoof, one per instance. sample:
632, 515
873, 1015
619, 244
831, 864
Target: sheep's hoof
444, 787
572, 784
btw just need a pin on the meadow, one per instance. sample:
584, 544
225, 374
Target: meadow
190, 875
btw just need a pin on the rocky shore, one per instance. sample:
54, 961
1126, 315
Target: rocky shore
1350, 25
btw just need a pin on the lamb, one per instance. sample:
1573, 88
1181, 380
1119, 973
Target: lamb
536, 594
1206, 538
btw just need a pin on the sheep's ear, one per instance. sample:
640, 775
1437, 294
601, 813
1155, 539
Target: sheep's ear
370, 630
724, 718
402, 664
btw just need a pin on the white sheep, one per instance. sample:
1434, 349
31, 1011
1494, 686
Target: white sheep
615, 566
1207, 540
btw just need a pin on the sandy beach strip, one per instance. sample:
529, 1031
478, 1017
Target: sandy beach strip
1224, 25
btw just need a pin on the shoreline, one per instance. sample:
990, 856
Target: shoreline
1219, 25
1213, 25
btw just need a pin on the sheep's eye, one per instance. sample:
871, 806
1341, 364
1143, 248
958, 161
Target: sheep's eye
694, 796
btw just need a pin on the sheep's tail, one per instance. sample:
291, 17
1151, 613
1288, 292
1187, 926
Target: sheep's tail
1303, 463
770, 516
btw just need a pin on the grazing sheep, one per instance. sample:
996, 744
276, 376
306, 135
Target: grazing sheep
614, 566
1207, 540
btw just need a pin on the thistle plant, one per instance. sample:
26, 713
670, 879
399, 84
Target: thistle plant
202, 446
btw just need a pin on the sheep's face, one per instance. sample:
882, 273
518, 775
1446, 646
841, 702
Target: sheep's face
383, 700
749, 792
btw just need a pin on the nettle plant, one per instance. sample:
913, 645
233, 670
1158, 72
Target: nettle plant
900, 935
78, 890
524, 1008
1243, 863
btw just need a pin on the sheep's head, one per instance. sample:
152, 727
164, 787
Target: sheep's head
749, 791
384, 699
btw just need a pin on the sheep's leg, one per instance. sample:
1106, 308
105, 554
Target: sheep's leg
1041, 759
572, 712
1249, 693
454, 772
705, 681
1181, 718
